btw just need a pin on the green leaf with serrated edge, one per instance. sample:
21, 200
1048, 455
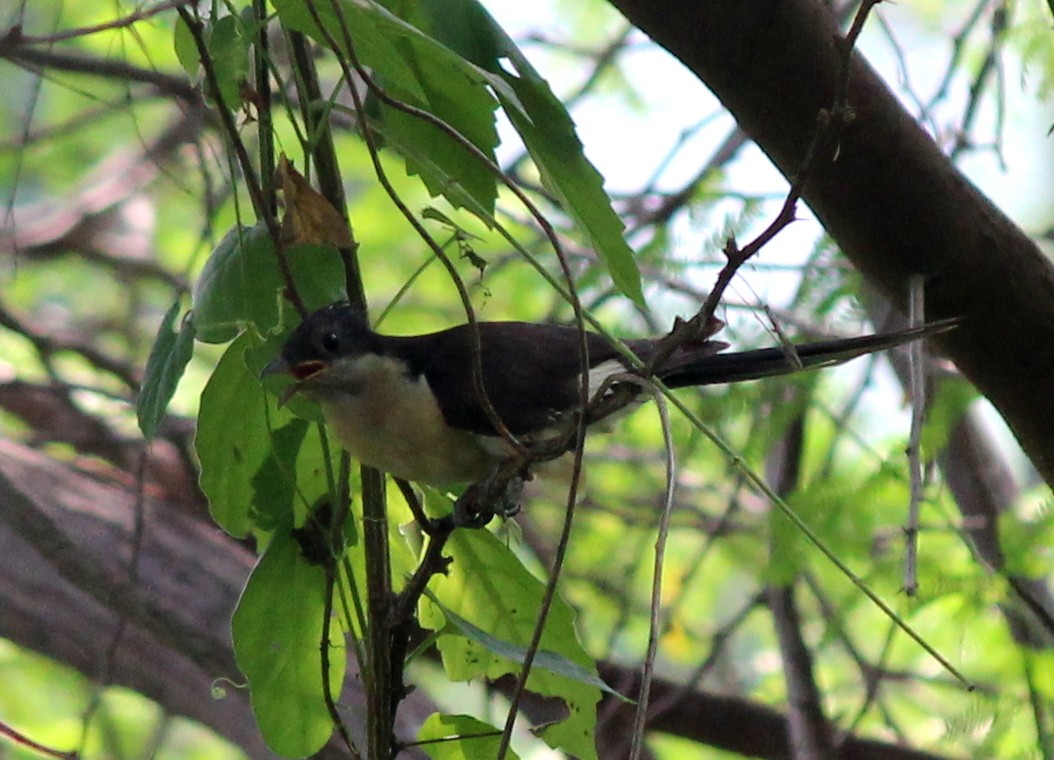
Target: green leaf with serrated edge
416, 70
461, 25
546, 128
241, 283
476, 740
551, 661
277, 631
380, 52
445, 167
551, 140
168, 359
233, 439
489, 587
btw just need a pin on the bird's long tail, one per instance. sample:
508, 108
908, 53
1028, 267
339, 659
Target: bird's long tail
765, 362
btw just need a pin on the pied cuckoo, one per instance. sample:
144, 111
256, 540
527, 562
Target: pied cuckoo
408, 405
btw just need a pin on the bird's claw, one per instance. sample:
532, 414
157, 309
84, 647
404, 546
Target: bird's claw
496, 495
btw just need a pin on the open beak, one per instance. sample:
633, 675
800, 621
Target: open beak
300, 373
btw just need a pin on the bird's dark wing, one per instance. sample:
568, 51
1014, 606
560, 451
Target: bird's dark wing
530, 372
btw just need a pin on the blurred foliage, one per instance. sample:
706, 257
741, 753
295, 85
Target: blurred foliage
49, 702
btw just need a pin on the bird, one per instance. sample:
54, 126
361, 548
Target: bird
409, 406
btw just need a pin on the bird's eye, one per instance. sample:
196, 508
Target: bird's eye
330, 342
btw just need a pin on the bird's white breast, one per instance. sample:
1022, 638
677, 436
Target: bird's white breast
392, 422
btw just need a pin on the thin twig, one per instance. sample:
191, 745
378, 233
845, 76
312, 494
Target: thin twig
917, 383
654, 626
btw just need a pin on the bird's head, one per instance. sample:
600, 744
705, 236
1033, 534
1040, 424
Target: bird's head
320, 353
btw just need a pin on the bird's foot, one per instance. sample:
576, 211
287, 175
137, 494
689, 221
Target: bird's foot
498, 494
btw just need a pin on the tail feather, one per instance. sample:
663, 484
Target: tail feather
766, 362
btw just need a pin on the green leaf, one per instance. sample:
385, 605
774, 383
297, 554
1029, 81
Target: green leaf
416, 70
260, 464
477, 740
168, 359
551, 661
229, 51
553, 144
186, 49
233, 439
241, 283
445, 167
461, 25
274, 483
277, 630
489, 587
546, 128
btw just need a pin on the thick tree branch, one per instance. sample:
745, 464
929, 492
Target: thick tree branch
65, 538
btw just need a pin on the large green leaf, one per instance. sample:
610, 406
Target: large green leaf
489, 587
277, 630
259, 463
274, 484
241, 283
168, 359
232, 439
416, 70
448, 80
